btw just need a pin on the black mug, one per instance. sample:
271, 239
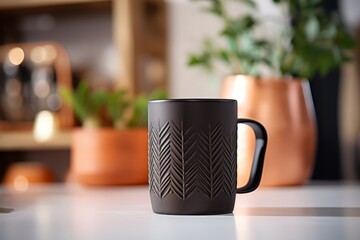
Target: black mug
193, 155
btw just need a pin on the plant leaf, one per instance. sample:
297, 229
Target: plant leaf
249, 3
312, 28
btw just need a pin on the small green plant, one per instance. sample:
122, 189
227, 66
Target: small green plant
312, 42
95, 108
140, 110
116, 106
85, 103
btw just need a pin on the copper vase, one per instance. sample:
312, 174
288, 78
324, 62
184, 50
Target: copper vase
285, 108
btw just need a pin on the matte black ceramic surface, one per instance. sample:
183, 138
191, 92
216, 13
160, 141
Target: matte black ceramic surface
192, 155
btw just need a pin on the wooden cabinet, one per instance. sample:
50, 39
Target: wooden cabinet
139, 33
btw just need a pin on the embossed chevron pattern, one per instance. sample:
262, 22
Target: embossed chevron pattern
153, 157
230, 162
159, 159
210, 160
184, 161
190, 160
177, 169
183, 167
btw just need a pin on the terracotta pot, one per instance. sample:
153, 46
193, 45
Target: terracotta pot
23, 174
110, 157
285, 108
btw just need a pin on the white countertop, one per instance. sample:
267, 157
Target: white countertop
74, 212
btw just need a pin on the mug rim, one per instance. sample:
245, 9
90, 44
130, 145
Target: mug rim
192, 100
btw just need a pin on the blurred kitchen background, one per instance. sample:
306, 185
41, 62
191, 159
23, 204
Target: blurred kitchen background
141, 45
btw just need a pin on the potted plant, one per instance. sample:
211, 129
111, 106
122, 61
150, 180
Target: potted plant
111, 147
269, 79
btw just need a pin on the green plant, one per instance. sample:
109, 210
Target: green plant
85, 103
312, 41
116, 106
140, 110
95, 108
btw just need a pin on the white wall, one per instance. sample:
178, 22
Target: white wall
349, 115
349, 10
188, 25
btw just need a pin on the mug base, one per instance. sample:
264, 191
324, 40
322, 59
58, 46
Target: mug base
196, 204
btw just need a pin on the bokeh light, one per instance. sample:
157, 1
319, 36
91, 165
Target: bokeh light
16, 56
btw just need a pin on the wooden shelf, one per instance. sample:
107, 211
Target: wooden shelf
16, 4
139, 33
24, 141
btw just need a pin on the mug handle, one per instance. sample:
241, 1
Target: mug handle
259, 155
